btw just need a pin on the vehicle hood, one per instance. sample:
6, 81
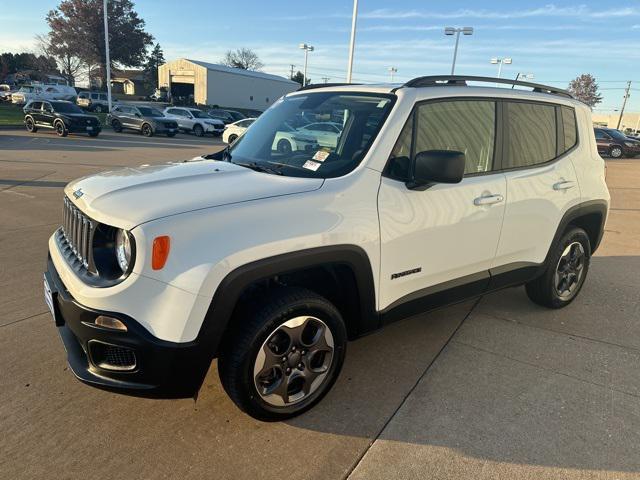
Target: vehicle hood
131, 196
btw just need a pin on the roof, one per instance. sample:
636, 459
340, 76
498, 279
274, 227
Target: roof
239, 71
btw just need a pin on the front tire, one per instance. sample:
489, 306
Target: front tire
566, 271
284, 147
198, 131
146, 130
285, 354
60, 128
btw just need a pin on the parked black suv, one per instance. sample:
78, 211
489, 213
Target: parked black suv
64, 117
227, 116
146, 120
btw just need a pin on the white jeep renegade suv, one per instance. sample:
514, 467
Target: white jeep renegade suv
434, 192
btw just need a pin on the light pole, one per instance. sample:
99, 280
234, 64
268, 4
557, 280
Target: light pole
392, 71
457, 32
352, 42
500, 62
307, 49
107, 57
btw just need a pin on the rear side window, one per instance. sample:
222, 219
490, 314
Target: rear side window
569, 127
35, 105
532, 137
466, 126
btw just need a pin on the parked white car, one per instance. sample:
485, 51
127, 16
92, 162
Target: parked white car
236, 129
28, 93
436, 192
326, 133
288, 139
194, 121
6, 91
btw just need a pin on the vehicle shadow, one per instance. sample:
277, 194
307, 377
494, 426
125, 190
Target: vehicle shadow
487, 407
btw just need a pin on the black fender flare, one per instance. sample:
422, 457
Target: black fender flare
234, 284
598, 207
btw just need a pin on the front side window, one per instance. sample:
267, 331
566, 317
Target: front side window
65, 107
532, 134
150, 112
198, 114
278, 143
35, 105
466, 126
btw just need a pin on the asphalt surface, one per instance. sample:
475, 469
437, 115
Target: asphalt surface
495, 388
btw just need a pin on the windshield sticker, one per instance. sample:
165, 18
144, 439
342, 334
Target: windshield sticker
321, 155
382, 103
311, 165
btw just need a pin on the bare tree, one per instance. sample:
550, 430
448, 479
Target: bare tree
585, 89
243, 58
69, 65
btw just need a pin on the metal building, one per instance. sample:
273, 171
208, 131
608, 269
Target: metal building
213, 84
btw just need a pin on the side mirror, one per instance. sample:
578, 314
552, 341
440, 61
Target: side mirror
437, 166
137, 115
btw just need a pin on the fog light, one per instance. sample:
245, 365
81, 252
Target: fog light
111, 323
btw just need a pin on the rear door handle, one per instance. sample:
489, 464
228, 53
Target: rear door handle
564, 185
488, 200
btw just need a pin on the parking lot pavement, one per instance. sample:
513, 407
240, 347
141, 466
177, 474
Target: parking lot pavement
492, 389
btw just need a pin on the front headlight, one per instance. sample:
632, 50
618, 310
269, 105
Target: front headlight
123, 249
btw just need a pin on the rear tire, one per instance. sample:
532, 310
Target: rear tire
198, 131
615, 152
171, 135
566, 271
60, 128
94, 134
284, 354
30, 125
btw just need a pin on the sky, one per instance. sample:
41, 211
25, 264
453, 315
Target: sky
554, 41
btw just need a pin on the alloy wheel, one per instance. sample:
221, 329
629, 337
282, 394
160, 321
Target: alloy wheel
569, 270
293, 361
616, 152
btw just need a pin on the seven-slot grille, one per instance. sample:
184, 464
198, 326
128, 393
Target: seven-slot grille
77, 230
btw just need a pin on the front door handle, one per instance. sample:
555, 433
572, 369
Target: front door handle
564, 185
488, 200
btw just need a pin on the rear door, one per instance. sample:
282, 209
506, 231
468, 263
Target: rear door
540, 141
445, 236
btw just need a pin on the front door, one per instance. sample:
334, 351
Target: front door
446, 235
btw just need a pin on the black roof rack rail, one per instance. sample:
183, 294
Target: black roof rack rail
461, 80
322, 85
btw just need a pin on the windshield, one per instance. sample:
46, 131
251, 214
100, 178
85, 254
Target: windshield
26, 89
616, 134
150, 112
198, 114
61, 107
344, 126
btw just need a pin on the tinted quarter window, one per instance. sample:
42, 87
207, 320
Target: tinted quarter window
569, 126
531, 134
466, 126
35, 105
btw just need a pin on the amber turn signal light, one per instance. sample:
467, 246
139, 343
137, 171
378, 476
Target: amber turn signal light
160, 253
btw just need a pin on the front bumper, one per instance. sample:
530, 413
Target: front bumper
161, 369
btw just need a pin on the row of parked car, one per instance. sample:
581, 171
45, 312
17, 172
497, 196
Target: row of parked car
65, 117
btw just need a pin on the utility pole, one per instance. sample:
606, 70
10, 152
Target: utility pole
107, 58
325, 79
352, 43
624, 104
292, 67
392, 71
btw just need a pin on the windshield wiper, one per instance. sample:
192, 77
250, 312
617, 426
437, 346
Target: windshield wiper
259, 168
